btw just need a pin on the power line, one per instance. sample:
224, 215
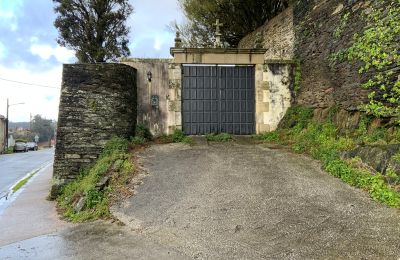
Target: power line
29, 84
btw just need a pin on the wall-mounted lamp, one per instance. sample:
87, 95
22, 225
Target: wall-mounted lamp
149, 76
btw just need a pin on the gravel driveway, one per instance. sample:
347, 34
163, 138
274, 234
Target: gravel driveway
246, 201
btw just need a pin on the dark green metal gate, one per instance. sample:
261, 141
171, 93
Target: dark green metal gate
218, 99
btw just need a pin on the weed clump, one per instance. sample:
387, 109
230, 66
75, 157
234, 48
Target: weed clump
323, 142
177, 137
114, 162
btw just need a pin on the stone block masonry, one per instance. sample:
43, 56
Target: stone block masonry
98, 101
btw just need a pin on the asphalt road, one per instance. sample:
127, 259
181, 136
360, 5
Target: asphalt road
15, 166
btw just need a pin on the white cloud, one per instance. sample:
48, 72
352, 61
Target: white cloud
45, 52
157, 44
38, 100
6, 14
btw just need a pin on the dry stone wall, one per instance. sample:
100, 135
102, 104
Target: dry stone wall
323, 28
98, 101
309, 32
276, 36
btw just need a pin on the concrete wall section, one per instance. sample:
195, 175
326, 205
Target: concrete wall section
278, 90
154, 117
98, 101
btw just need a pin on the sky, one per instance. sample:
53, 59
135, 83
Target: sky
29, 52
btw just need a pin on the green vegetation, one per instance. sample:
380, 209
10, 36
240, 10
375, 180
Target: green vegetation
115, 161
376, 49
9, 150
143, 132
239, 18
95, 30
343, 23
222, 137
23, 182
177, 137
268, 136
142, 135
297, 77
323, 142
396, 157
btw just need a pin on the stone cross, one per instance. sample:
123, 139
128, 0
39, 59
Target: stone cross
178, 40
217, 43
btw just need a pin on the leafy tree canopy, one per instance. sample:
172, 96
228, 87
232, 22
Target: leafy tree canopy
239, 18
94, 29
43, 127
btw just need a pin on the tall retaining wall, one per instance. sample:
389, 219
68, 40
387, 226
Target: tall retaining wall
98, 101
310, 32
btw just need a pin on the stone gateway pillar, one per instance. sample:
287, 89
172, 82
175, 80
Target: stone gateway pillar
98, 101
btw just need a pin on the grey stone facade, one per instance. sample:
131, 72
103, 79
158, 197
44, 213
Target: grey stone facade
98, 101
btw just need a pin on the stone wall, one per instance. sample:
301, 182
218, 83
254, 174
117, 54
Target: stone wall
154, 117
276, 36
98, 101
2, 133
321, 29
308, 33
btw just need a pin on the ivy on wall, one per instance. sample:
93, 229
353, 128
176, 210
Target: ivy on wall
378, 50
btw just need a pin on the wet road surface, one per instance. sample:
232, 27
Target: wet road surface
15, 166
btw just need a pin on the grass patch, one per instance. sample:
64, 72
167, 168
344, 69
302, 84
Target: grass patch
268, 136
222, 137
114, 161
22, 182
177, 137
323, 142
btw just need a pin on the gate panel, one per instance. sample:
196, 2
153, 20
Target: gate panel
218, 99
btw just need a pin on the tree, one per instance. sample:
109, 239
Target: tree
94, 29
239, 18
43, 127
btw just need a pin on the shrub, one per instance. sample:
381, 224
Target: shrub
138, 140
269, 137
143, 132
177, 137
296, 117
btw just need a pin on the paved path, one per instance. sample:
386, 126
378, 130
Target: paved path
219, 201
30, 214
15, 166
231, 201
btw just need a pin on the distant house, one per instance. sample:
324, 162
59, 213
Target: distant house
2, 133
